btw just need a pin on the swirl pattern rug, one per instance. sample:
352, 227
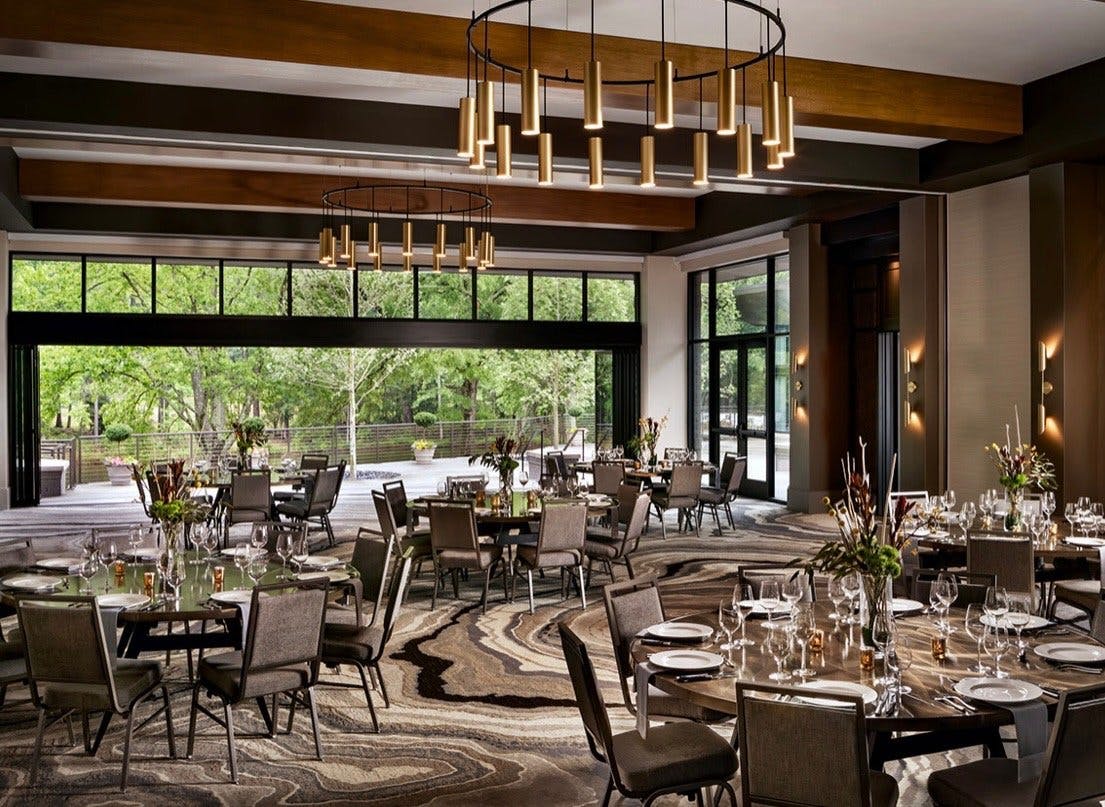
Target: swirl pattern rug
482, 710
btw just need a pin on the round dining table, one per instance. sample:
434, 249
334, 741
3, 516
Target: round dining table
1055, 545
920, 724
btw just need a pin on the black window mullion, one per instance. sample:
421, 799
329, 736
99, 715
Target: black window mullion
356, 294
288, 280
584, 281
84, 284
221, 279
153, 285
529, 304
475, 307
414, 286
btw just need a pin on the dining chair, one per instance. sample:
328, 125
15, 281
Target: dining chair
456, 546
314, 461
681, 758
970, 588
364, 645
372, 557
560, 540
250, 500
631, 607
750, 578
465, 486
281, 655
1011, 560
403, 520
320, 500
608, 476
1097, 622
681, 495
732, 474
794, 752
13, 663
16, 554
414, 544
619, 542
71, 670
556, 464
1072, 769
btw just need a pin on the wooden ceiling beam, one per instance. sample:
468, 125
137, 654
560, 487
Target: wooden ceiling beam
828, 94
54, 180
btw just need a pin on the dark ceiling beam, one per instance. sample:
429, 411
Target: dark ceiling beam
1064, 122
170, 114
15, 211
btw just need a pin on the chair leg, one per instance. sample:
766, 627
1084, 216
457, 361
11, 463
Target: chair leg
529, 579
100, 732
38, 744
582, 588
275, 711
314, 721
229, 717
729, 513
368, 697
168, 721
628, 567
383, 686
437, 583
126, 748
486, 586
456, 585
609, 792
192, 722
609, 569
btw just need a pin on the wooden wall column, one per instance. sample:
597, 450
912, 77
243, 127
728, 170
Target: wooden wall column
1067, 209
922, 444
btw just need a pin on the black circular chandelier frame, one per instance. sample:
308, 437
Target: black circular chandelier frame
379, 200
481, 23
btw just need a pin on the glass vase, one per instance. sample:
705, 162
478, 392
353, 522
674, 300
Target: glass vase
875, 598
1014, 521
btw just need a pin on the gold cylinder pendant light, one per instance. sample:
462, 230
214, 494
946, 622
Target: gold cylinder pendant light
769, 104
774, 161
594, 155
786, 126
490, 250
531, 112
544, 159
665, 94
470, 243
726, 101
373, 239
437, 263
462, 258
324, 239
466, 127
476, 163
502, 151
346, 241
648, 162
407, 262
485, 249
485, 112
439, 242
592, 95
408, 238
378, 261
352, 265
744, 151
701, 159
333, 262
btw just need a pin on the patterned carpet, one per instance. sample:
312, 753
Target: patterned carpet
482, 710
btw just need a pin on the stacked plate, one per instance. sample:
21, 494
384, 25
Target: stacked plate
686, 661
30, 582
321, 562
680, 632
997, 690
336, 576
123, 600
1086, 542
234, 596
66, 565
836, 688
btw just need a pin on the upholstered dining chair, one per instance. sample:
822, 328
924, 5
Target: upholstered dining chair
560, 540
682, 758
314, 461
715, 498
619, 542
1010, 560
631, 607
250, 500
750, 578
282, 653
70, 669
405, 522
415, 544
556, 464
681, 495
372, 557
456, 547
315, 507
1072, 769
970, 588
795, 752
608, 476
13, 663
364, 645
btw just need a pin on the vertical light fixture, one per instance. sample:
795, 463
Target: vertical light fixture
744, 133
594, 161
1046, 387
592, 85
466, 121
333, 262
726, 89
701, 147
407, 263
910, 384
470, 242
786, 113
485, 101
378, 261
477, 161
648, 153
665, 81
436, 263
373, 238
352, 256
346, 240
408, 238
774, 159
769, 101
544, 146
439, 242
531, 114
325, 236
502, 142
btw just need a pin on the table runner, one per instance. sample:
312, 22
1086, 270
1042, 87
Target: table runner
643, 678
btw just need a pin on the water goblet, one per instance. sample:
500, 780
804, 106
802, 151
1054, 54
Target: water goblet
1070, 513
852, 585
209, 540
729, 620
770, 597
284, 550
523, 476
882, 635
836, 597
243, 558
939, 597
86, 570
1019, 615
975, 628
995, 641
1047, 503
777, 645
259, 536
949, 499
442, 487
996, 603
108, 554
804, 625
794, 590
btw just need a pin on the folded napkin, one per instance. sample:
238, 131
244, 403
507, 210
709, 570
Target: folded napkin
1101, 564
1030, 721
109, 617
243, 613
643, 677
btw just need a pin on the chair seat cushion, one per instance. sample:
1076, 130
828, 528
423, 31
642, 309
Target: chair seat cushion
12, 670
549, 559
671, 755
416, 546
133, 677
980, 784
1084, 594
467, 559
662, 704
712, 495
599, 534
350, 642
340, 614
223, 672
601, 549
884, 789
294, 508
12, 646
672, 502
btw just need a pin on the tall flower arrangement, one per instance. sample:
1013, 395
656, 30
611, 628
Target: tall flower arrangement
500, 457
649, 430
1020, 466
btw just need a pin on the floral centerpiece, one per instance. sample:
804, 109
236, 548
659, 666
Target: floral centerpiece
172, 505
648, 437
1021, 466
249, 433
499, 457
870, 545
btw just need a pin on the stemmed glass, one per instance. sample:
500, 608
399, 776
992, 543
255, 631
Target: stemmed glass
836, 597
209, 539
743, 609
243, 559
108, 554
976, 629
967, 517
728, 619
778, 646
898, 659
995, 641
523, 476
949, 499
996, 604
175, 576
940, 600
86, 570
986, 505
769, 597
804, 624
794, 590
1098, 512
1070, 513
259, 538
300, 550
442, 488
134, 540
852, 584
1019, 615
1047, 504
284, 551
950, 580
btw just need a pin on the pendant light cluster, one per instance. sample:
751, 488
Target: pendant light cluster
471, 209
477, 128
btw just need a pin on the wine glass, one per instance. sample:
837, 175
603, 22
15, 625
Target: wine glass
134, 540
442, 487
1047, 503
284, 551
770, 597
976, 629
86, 570
996, 604
729, 620
836, 597
899, 658
939, 601
777, 645
949, 499
804, 624
852, 584
1070, 513
995, 641
175, 576
108, 553
259, 537
967, 516
523, 476
1019, 615
243, 558
1098, 512
743, 607
209, 539
300, 550
794, 590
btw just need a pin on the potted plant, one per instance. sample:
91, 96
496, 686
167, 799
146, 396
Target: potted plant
1021, 467
118, 466
574, 411
500, 457
424, 447
249, 433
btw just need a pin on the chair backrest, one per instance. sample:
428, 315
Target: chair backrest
750, 578
385, 514
970, 588
556, 464
798, 753
1073, 773
635, 527
563, 527
250, 496
396, 591
675, 454
274, 529
453, 526
285, 627
609, 476
326, 489
465, 485
627, 500
592, 708
631, 606
66, 647
314, 462
686, 479
1010, 560
15, 553
371, 558
919, 496
736, 474
396, 494
1097, 622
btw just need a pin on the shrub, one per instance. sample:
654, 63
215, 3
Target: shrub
117, 433
575, 411
425, 419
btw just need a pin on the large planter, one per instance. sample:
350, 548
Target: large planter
119, 474
424, 456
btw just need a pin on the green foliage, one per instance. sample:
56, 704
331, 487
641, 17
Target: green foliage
575, 410
117, 433
422, 445
425, 419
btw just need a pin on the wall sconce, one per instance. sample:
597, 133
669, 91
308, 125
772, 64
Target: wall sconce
797, 399
1046, 387
910, 384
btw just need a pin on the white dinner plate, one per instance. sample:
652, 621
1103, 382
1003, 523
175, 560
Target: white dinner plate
334, 577
837, 688
598, 500
321, 562
687, 660
60, 564
121, 600
998, 690
142, 554
233, 596
235, 551
31, 582
1034, 622
1071, 652
1091, 543
680, 631
482, 511
903, 606
758, 609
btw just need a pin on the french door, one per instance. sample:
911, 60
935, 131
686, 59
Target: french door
741, 407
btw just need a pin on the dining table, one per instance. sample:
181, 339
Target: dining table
1057, 544
920, 723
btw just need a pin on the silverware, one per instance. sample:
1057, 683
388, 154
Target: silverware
954, 703
688, 679
1080, 668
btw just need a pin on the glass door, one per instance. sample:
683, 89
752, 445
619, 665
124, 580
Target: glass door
740, 422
